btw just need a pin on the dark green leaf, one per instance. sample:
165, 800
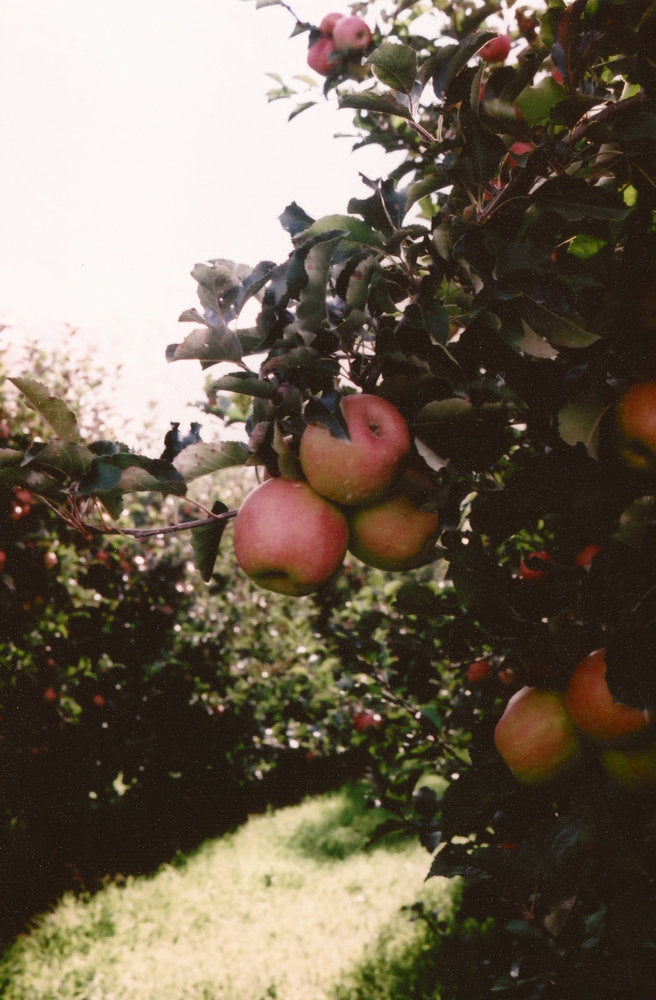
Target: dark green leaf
202, 459
395, 65
206, 540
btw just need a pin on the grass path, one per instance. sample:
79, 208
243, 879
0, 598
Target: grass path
278, 910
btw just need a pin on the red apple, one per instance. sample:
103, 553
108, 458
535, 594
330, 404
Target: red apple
478, 671
351, 34
535, 735
360, 468
50, 694
366, 720
634, 769
50, 559
592, 707
585, 557
98, 700
396, 533
322, 56
527, 572
328, 23
288, 538
3, 559
633, 428
496, 50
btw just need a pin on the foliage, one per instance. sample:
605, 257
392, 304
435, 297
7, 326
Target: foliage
502, 297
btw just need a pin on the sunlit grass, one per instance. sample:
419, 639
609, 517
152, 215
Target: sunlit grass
279, 910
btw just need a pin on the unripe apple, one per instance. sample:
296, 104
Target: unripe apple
634, 769
396, 533
496, 50
351, 34
289, 539
478, 671
328, 23
528, 572
632, 437
535, 735
360, 468
593, 709
322, 56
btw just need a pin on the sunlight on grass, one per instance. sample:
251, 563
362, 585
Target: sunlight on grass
278, 910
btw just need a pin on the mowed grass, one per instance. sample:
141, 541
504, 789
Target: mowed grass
280, 910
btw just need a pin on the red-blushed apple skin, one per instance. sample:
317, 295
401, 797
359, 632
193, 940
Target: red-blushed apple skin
496, 50
478, 671
394, 534
586, 556
322, 56
289, 539
328, 23
356, 471
634, 433
527, 572
592, 708
535, 735
351, 34
634, 769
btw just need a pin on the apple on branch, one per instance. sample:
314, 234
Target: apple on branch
398, 532
288, 538
351, 34
593, 709
535, 735
360, 465
322, 56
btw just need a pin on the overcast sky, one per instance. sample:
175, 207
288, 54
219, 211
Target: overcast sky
136, 140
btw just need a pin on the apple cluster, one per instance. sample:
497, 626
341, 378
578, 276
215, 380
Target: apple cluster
541, 732
357, 493
339, 35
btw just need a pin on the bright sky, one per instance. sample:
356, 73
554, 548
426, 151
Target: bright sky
137, 140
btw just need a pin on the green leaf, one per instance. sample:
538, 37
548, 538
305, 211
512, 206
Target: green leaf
202, 459
54, 410
206, 540
536, 102
579, 422
10, 456
65, 457
352, 229
395, 65
113, 475
380, 104
209, 345
557, 329
245, 383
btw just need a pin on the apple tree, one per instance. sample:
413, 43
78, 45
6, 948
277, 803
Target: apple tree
497, 291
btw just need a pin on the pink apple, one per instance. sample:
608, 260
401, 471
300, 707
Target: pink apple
351, 34
289, 539
329, 22
535, 735
396, 533
361, 468
496, 50
322, 57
